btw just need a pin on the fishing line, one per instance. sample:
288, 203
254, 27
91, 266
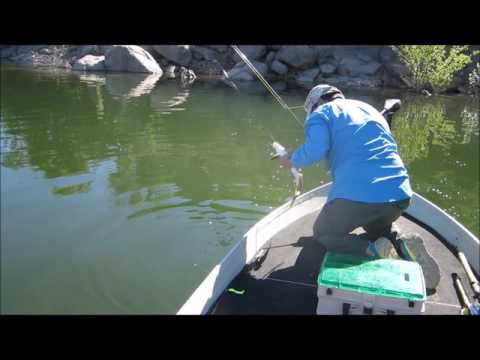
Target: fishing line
266, 84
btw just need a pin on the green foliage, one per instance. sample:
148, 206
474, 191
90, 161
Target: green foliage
433, 66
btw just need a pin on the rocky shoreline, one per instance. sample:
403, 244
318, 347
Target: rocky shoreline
288, 65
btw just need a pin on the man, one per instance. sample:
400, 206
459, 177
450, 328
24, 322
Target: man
371, 186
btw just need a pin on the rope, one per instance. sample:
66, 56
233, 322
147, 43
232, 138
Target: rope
266, 84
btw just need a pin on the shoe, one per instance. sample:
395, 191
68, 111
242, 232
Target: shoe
380, 248
412, 244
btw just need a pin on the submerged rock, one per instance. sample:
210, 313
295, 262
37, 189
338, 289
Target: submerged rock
131, 58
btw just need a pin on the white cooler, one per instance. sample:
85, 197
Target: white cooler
352, 285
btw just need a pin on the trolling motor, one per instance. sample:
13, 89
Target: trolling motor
391, 107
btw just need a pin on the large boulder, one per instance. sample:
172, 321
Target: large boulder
298, 56
242, 72
179, 54
307, 76
78, 52
131, 58
279, 67
90, 63
354, 66
252, 52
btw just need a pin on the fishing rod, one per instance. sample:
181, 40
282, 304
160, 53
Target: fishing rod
279, 149
468, 307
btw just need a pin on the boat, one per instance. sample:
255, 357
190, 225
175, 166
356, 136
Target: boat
273, 269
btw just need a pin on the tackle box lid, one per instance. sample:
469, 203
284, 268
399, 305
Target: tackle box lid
376, 276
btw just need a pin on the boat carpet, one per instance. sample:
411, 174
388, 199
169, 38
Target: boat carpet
285, 281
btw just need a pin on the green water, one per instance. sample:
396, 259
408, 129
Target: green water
119, 194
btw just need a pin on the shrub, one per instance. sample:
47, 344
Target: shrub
433, 66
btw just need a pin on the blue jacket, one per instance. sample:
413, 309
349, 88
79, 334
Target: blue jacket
360, 152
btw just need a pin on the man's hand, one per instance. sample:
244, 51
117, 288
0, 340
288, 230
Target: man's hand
282, 155
285, 162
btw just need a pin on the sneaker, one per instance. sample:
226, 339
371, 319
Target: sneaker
381, 248
412, 244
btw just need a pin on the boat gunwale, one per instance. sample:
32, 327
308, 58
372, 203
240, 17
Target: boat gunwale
421, 209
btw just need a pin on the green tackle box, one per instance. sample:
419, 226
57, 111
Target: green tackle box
349, 284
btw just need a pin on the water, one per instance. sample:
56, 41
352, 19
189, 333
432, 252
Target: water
119, 193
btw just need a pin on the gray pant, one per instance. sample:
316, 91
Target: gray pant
340, 217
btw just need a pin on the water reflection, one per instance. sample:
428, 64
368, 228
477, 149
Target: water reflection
128, 86
137, 180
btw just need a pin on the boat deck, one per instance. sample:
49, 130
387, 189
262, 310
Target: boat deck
285, 281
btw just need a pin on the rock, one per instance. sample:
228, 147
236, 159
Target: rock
279, 67
252, 52
398, 69
308, 75
388, 55
400, 73
8, 52
80, 51
179, 54
355, 67
327, 69
364, 57
298, 56
149, 48
187, 75
208, 68
219, 48
274, 47
243, 73
391, 80
90, 63
131, 58
323, 51
103, 49
270, 57
204, 53
45, 51
170, 71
